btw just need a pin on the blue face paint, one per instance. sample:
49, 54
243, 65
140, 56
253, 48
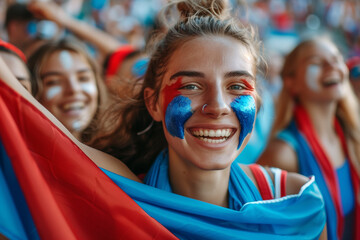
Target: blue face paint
245, 109
177, 113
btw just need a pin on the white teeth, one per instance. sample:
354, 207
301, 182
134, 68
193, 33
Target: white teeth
213, 140
212, 132
73, 106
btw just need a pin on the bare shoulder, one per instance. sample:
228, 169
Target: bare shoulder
294, 182
279, 154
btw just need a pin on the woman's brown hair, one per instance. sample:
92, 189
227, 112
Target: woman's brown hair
121, 131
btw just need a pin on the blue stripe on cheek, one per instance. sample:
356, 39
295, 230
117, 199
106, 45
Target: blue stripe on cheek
245, 109
177, 113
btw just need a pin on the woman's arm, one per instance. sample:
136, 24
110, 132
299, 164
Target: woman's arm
100, 158
103, 41
279, 154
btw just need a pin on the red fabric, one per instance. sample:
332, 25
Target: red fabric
352, 62
283, 183
261, 181
14, 49
305, 126
117, 57
69, 197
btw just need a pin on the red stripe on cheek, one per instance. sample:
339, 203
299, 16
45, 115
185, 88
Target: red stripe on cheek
170, 92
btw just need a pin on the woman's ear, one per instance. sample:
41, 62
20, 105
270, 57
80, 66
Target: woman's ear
153, 107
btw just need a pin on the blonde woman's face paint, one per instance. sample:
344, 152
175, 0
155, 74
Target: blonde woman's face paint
89, 87
321, 73
70, 91
66, 59
51, 92
313, 72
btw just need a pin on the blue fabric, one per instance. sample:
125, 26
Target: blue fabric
308, 166
248, 217
346, 188
15, 219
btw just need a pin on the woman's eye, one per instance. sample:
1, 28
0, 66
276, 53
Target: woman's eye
51, 82
190, 87
236, 87
84, 78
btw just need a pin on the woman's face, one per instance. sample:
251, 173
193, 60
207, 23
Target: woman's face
69, 89
18, 68
207, 102
320, 74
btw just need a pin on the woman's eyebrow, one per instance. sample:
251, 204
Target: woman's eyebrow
50, 73
187, 74
239, 74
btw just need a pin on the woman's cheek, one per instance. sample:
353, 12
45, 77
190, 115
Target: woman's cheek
177, 113
244, 107
52, 92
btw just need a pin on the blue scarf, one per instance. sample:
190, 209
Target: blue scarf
248, 216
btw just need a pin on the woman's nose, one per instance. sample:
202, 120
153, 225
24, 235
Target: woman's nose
215, 105
73, 85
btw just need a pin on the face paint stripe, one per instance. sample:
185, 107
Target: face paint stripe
170, 92
89, 88
66, 59
52, 92
245, 109
177, 113
312, 75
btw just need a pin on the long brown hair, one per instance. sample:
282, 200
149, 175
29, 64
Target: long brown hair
121, 131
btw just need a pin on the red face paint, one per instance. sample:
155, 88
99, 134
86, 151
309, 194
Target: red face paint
170, 92
250, 89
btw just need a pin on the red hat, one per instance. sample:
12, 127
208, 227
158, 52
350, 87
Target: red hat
13, 49
116, 59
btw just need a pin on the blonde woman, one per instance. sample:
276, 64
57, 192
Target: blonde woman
316, 131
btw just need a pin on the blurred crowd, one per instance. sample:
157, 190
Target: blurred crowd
78, 57
281, 24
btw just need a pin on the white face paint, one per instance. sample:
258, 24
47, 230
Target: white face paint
66, 59
312, 75
89, 87
77, 125
52, 92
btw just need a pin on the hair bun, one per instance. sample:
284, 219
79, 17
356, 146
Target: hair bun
188, 8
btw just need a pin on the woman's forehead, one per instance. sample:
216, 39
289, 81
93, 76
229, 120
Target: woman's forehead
207, 54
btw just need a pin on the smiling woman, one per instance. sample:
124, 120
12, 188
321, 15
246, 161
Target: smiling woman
193, 117
66, 81
317, 131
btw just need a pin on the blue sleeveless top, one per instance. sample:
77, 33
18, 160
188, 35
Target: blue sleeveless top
346, 188
308, 166
347, 199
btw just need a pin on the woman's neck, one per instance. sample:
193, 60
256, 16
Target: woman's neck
205, 185
322, 118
